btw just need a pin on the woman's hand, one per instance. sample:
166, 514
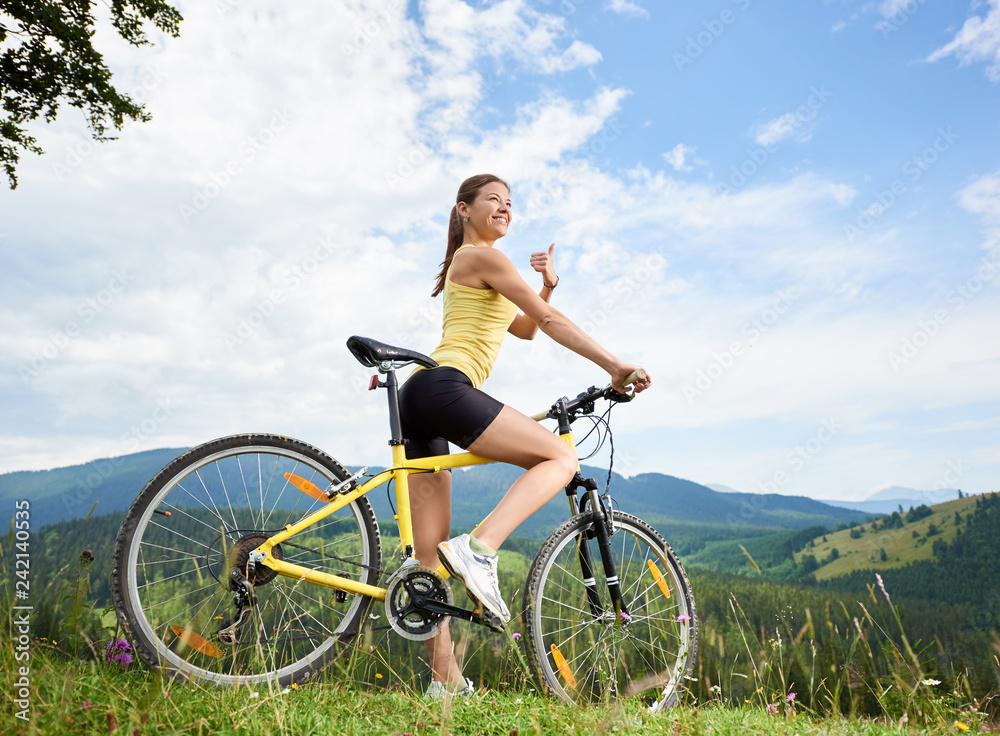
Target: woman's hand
619, 376
543, 262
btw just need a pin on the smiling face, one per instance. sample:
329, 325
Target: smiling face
489, 214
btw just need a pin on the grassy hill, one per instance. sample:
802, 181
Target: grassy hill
862, 547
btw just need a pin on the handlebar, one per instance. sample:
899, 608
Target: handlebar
584, 402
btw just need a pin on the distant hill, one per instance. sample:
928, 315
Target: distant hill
68, 493
895, 541
948, 555
891, 499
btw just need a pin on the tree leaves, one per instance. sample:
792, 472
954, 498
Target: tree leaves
49, 59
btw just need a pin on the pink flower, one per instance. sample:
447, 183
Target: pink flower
625, 616
683, 618
772, 709
516, 636
791, 697
86, 703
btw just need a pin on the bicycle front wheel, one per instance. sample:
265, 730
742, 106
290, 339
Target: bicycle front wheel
586, 651
198, 520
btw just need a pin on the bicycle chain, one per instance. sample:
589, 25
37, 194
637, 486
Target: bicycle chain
327, 555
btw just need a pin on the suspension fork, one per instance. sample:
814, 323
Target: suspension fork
599, 528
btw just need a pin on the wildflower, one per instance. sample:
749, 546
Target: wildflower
516, 636
86, 557
930, 682
961, 726
791, 697
118, 652
285, 691
86, 703
772, 709
255, 694
625, 616
683, 618
378, 675
295, 686
716, 689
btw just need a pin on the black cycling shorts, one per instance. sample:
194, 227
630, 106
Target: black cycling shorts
440, 405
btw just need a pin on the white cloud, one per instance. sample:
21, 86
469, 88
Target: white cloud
237, 317
628, 8
677, 157
982, 197
790, 124
977, 40
578, 54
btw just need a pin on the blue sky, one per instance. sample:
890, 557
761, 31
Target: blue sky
788, 212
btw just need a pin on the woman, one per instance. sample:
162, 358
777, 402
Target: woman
482, 295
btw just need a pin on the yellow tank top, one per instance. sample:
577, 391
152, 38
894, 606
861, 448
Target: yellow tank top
475, 322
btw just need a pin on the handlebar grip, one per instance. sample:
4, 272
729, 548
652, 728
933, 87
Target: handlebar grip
540, 416
637, 375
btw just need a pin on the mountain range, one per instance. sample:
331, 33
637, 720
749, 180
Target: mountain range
63, 494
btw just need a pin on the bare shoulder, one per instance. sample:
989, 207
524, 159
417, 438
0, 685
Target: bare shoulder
489, 259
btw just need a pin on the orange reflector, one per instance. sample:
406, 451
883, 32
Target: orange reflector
197, 642
658, 577
310, 489
563, 666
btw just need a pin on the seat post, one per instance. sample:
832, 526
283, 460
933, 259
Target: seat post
395, 427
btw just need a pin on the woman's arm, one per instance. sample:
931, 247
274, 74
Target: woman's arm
496, 271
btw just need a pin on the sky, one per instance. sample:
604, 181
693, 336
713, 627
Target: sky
788, 212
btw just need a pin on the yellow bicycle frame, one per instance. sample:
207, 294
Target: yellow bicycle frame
399, 472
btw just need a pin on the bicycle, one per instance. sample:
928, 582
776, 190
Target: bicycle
254, 558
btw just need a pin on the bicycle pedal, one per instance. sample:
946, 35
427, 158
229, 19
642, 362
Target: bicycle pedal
490, 620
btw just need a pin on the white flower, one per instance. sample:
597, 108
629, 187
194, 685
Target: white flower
930, 682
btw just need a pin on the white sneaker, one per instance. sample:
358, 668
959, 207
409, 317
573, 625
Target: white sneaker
479, 575
438, 689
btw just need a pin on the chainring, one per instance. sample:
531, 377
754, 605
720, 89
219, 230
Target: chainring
404, 618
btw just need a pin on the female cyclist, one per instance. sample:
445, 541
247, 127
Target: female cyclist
482, 295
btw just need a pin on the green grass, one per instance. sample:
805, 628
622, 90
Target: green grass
76, 697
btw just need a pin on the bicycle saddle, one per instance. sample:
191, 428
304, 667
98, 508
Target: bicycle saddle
372, 352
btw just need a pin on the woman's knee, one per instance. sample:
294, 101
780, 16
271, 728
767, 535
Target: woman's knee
567, 462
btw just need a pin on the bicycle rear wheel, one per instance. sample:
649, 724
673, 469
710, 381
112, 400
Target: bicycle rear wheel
197, 520
584, 650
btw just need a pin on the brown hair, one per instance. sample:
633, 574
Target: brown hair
467, 193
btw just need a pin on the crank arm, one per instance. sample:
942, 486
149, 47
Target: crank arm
444, 609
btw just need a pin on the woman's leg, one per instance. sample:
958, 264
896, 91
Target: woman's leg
430, 509
549, 461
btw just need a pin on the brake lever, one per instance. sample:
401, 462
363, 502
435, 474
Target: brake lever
612, 394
